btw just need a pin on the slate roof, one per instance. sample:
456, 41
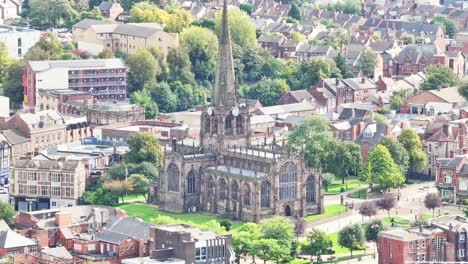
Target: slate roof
130, 227
134, 30
110, 237
14, 136
301, 95
381, 46
87, 22
57, 252
105, 6
11, 239
67, 165
77, 64
359, 83
449, 95
347, 113
378, 132
416, 52
270, 38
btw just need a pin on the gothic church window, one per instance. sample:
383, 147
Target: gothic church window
234, 191
246, 194
239, 124
173, 176
214, 129
222, 190
265, 195
207, 123
228, 124
310, 190
210, 187
191, 181
287, 182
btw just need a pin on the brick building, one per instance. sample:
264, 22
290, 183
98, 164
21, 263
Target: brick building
44, 184
425, 103
12, 243
106, 79
272, 42
110, 9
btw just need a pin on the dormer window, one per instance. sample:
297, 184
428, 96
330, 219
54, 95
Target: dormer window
368, 134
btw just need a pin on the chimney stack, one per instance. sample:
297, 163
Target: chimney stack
420, 228
337, 81
174, 144
363, 79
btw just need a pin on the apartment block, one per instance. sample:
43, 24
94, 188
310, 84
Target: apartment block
18, 40
45, 184
105, 79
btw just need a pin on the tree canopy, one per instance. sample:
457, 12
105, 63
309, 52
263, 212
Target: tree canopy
448, 25
367, 62
241, 27
412, 143
144, 146
439, 76
351, 237
383, 170
7, 212
267, 91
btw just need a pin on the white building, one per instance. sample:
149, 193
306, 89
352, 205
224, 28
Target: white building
4, 106
18, 40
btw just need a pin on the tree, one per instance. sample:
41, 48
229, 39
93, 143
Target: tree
412, 143
164, 97
396, 102
351, 237
373, 228
144, 146
204, 23
118, 172
240, 26
297, 36
345, 160
13, 82
448, 25
143, 69
148, 169
243, 240
367, 62
309, 72
143, 98
318, 243
432, 201
202, 47
7, 212
439, 76
179, 66
147, 12
295, 12
383, 169
327, 180
5, 61
267, 91
178, 20
463, 90
184, 95
367, 208
48, 48
314, 139
340, 63
140, 184
100, 196
299, 226
119, 188
270, 250
247, 8
253, 63
387, 202
398, 152
49, 13
408, 39
278, 228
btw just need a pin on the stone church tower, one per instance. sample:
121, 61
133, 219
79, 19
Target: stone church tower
225, 173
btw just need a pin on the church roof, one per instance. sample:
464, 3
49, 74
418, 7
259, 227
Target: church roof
237, 171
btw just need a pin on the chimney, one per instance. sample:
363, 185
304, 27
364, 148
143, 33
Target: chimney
450, 226
337, 81
420, 228
63, 219
174, 144
363, 80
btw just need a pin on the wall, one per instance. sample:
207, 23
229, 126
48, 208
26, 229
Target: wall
28, 39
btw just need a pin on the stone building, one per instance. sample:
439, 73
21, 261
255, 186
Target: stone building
226, 173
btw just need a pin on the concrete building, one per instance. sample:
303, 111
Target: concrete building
106, 79
44, 184
18, 40
96, 36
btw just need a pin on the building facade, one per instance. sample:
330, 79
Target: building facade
44, 184
5, 159
105, 79
228, 174
9, 9
18, 40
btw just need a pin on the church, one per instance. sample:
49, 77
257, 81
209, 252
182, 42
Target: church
227, 172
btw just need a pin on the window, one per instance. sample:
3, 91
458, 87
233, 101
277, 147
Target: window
56, 177
19, 42
423, 243
44, 190
246, 194
32, 190
310, 189
461, 253
287, 182
20, 52
56, 191
430, 147
228, 124
173, 175
68, 192
265, 195
210, 187
68, 177
239, 125
447, 176
191, 182
32, 176
408, 66
200, 253
222, 190
462, 238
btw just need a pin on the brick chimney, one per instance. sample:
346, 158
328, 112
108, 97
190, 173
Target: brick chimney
337, 81
420, 228
63, 219
363, 79
461, 136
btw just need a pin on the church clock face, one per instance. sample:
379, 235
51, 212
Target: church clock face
235, 111
210, 110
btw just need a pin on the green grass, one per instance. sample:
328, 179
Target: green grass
362, 194
339, 250
134, 197
426, 216
399, 221
335, 187
152, 214
330, 210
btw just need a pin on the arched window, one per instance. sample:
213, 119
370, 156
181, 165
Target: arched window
239, 125
207, 123
246, 194
228, 124
287, 182
265, 195
191, 181
214, 129
234, 191
310, 190
173, 176
210, 187
222, 190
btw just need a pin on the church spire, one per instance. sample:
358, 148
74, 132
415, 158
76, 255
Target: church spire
224, 92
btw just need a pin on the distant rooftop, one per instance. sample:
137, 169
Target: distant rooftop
77, 64
7, 29
196, 234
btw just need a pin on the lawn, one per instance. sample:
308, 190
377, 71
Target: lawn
151, 214
336, 186
362, 194
399, 221
330, 210
134, 197
339, 250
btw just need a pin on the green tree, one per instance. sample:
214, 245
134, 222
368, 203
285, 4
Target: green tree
148, 169
345, 160
270, 250
147, 12
384, 171
314, 138
144, 146
143, 98
327, 180
463, 90
119, 188
252, 63
100, 196
295, 12
398, 152
351, 237
243, 240
204, 23
48, 48
118, 172
439, 76
267, 91
13, 82
317, 243
164, 97
7, 212
140, 184
5, 61
448, 25
247, 8
373, 228
143, 69
179, 66
178, 20
309, 72
240, 26
49, 13
367, 62
281, 230
412, 143
297, 36
184, 95
396, 102
380, 119
408, 39
202, 47
340, 63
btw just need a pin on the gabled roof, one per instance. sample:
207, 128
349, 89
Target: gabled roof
301, 95
416, 52
130, 227
87, 22
14, 136
450, 95
105, 5
110, 237
11, 239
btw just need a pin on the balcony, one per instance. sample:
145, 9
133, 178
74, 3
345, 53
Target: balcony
96, 75
96, 84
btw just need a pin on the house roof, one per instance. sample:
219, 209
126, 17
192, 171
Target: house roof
377, 132
77, 64
301, 95
11, 239
270, 38
110, 237
416, 52
57, 252
87, 22
381, 46
359, 83
67, 165
130, 227
14, 136
450, 95
105, 5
